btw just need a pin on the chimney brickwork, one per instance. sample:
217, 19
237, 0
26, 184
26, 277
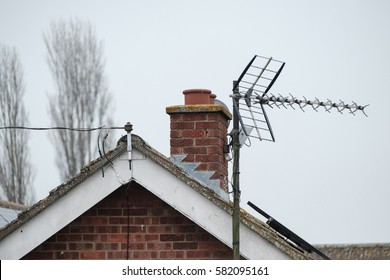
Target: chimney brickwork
198, 135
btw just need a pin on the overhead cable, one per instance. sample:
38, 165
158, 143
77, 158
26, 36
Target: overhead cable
59, 128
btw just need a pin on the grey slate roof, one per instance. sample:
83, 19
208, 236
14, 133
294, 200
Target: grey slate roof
138, 143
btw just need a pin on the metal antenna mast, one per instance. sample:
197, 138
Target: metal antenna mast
250, 94
236, 176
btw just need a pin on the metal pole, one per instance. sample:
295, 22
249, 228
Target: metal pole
129, 129
236, 178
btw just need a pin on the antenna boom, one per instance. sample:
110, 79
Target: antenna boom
270, 99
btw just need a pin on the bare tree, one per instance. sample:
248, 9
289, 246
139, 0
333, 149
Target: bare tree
81, 98
16, 173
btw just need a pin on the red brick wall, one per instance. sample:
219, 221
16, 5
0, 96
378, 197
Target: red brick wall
156, 231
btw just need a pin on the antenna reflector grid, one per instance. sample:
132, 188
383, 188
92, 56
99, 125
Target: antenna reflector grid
254, 82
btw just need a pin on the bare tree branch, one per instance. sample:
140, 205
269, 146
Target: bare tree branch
81, 98
16, 173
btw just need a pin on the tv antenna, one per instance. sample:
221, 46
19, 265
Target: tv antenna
251, 92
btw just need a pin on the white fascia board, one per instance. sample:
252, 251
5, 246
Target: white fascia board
201, 210
63, 211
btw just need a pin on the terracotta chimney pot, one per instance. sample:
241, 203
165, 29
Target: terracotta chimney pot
196, 96
212, 98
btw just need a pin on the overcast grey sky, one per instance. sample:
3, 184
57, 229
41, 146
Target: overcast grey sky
327, 175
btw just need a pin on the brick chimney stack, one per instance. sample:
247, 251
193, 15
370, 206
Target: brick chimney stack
198, 135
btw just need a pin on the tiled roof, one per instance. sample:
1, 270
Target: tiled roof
374, 251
